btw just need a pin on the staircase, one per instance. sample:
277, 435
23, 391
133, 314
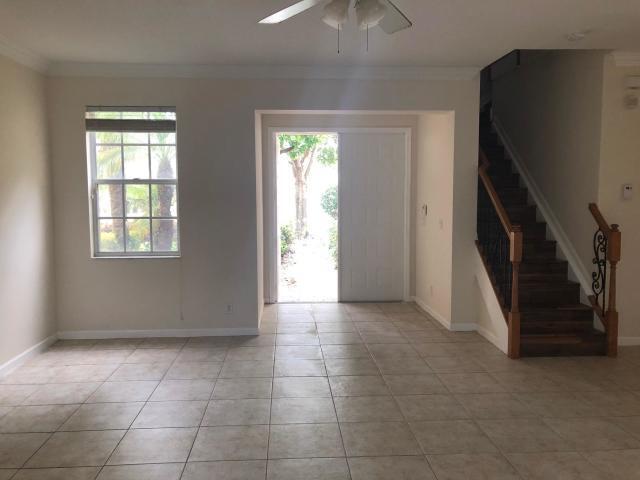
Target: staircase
553, 321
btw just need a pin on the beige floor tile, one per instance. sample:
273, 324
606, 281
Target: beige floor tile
587, 434
628, 424
557, 404
339, 338
476, 466
163, 342
431, 407
7, 473
437, 349
17, 448
231, 443
296, 328
255, 341
380, 351
76, 449
139, 371
62, 393
301, 387
338, 327
227, 388
371, 316
118, 343
432, 335
40, 418
237, 412
338, 317
5, 410
103, 416
454, 365
351, 366
15, 394
384, 468
82, 373
524, 382
132, 391
300, 352
523, 435
302, 410
194, 370
378, 439
161, 445
471, 383
75, 473
28, 375
247, 369
308, 469
358, 385
564, 466
231, 470
251, 353
451, 436
182, 390
160, 471
386, 338
345, 351
174, 414
202, 354
368, 409
358, 308
297, 339
415, 384
300, 368
494, 405
403, 365
305, 441
617, 464
614, 403
152, 355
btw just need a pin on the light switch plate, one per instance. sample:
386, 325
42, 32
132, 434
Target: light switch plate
627, 191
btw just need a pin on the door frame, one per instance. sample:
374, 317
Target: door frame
270, 196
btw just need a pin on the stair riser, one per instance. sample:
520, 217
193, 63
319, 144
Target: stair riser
554, 268
554, 350
560, 295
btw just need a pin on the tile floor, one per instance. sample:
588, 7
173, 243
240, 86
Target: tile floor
360, 391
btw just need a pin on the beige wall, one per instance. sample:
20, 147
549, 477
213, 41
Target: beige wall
434, 242
550, 109
620, 164
26, 286
218, 196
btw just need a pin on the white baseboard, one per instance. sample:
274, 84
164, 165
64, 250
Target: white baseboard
559, 234
18, 360
628, 341
201, 332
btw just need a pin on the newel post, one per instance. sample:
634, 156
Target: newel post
614, 247
515, 255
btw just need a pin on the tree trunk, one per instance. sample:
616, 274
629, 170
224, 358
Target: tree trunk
164, 232
301, 206
115, 199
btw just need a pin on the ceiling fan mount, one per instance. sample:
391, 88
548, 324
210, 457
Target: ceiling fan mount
369, 13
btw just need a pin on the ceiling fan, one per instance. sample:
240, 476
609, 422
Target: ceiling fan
369, 13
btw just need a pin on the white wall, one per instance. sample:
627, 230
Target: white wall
218, 195
26, 282
550, 110
434, 231
620, 164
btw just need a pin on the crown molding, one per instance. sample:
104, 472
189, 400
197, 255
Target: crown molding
67, 69
23, 56
626, 59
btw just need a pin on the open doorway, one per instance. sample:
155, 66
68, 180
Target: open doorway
307, 216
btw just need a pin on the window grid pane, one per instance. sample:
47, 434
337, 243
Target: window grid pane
135, 186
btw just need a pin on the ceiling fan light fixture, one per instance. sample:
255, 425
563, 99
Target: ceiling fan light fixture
369, 13
336, 13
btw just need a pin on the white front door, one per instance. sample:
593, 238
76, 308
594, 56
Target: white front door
372, 172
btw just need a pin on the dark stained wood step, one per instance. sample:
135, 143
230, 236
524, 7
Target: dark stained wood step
547, 345
563, 319
548, 294
537, 250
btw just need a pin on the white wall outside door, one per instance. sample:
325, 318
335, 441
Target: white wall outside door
372, 222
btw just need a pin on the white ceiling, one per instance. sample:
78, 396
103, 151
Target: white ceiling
225, 32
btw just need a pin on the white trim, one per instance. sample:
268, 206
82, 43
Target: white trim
66, 69
545, 209
492, 337
182, 333
31, 352
626, 59
23, 56
628, 341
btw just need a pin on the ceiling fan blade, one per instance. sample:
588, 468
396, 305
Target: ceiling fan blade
394, 20
291, 11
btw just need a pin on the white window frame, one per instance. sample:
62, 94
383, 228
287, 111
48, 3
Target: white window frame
124, 126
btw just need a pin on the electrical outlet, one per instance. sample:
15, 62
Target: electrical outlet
229, 308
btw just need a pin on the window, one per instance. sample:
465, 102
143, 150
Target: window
133, 181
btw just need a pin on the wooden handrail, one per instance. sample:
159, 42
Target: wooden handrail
493, 195
514, 232
607, 312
